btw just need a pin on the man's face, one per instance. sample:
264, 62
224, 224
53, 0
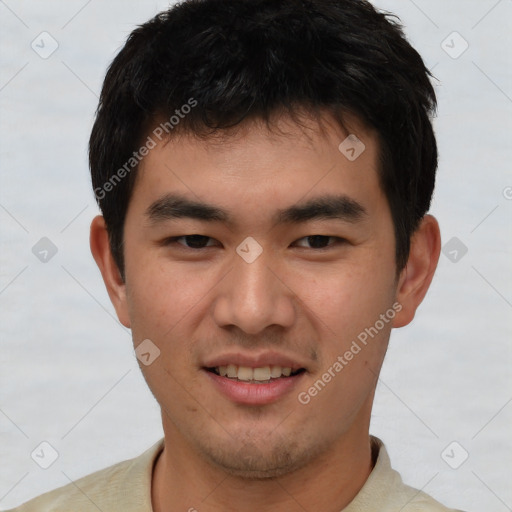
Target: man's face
212, 303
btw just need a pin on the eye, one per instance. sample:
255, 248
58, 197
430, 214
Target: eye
197, 242
191, 241
320, 241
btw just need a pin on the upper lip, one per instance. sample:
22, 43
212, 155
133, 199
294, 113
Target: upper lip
255, 360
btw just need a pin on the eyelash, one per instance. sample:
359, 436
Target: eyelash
174, 240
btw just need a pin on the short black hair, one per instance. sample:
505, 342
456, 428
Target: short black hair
208, 65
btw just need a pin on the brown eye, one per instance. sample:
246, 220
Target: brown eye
320, 241
190, 241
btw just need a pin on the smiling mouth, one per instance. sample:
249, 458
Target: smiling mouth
260, 375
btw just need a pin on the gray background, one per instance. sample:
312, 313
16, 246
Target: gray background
68, 374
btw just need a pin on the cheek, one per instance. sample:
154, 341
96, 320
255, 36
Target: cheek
347, 300
164, 302
353, 337
160, 296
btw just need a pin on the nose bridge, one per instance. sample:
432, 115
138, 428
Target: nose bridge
252, 297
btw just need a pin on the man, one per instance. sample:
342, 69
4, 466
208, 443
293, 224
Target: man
264, 169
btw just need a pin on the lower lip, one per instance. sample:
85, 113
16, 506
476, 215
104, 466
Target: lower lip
254, 394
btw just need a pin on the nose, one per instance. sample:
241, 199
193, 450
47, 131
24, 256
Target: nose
254, 296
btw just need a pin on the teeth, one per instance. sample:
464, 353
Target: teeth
275, 372
231, 371
261, 373
246, 373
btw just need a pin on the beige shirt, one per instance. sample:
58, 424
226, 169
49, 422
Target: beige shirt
126, 487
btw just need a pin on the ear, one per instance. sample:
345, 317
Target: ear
100, 248
417, 275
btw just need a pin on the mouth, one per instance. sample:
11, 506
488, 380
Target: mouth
254, 385
259, 375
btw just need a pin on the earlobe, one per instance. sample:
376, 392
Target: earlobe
417, 275
100, 249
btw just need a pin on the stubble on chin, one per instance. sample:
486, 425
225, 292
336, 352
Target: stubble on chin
261, 460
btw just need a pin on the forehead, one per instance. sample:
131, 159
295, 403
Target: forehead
258, 166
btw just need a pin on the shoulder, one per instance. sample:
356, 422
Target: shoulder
384, 491
414, 500
124, 486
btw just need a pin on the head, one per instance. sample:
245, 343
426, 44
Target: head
232, 121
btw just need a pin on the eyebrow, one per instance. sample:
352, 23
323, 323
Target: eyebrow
341, 207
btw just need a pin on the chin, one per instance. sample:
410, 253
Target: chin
267, 474
252, 462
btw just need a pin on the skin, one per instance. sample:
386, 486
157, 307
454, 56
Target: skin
295, 299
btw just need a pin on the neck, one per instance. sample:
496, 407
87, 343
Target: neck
184, 481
